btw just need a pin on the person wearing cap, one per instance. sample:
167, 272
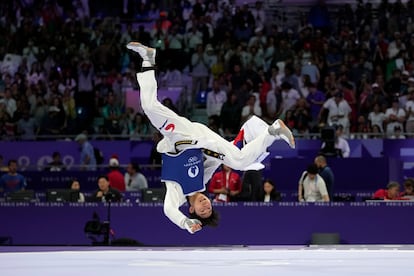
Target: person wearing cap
115, 176
87, 156
312, 187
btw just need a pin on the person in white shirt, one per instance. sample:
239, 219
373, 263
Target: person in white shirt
134, 179
251, 108
338, 111
394, 116
215, 99
376, 117
312, 187
192, 152
289, 97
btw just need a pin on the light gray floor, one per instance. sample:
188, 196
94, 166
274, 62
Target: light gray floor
214, 261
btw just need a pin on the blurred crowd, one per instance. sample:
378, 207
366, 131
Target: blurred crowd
65, 68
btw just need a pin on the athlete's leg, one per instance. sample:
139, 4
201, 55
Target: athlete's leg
161, 117
239, 159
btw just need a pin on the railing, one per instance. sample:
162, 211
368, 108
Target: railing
148, 137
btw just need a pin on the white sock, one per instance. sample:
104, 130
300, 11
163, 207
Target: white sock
146, 63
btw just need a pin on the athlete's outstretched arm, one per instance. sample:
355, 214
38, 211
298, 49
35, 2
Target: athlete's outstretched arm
172, 202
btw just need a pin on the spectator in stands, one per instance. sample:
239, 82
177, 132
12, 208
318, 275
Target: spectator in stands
134, 179
138, 127
56, 165
225, 184
215, 99
376, 132
338, 111
105, 193
394, 116
230, 114
9, 102
115, 176
392, 192
52, 122
315, 99
74, 184
376, 117
341, 145
200, 70
27, 127
326, 173
312, 187
289, 97
398, 133
12, 181
409, 110
87, 156
302, 116
269, 192
69, 106
252, 107
112, 115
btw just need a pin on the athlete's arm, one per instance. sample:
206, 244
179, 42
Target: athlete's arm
172, 202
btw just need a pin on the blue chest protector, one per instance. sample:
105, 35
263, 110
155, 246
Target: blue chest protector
185, 168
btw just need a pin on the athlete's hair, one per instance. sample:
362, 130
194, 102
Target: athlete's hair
212, 220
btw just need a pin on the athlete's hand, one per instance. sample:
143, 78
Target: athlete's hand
193, 225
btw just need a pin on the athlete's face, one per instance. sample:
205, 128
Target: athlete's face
202, 206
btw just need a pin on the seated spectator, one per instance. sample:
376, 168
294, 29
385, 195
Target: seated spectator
115, 177
392, 192
52, 124
408, 192
12, 181
134, 179
75, 185
138, 127
394, 116
269, 192
312, 187
105, 193
225, 184
398, 134
340, 146
27, 127
111, 114
56, 165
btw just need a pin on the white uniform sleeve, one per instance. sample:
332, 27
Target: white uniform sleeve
174, 198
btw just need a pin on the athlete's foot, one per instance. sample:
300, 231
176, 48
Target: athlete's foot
278, 128
147, 53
